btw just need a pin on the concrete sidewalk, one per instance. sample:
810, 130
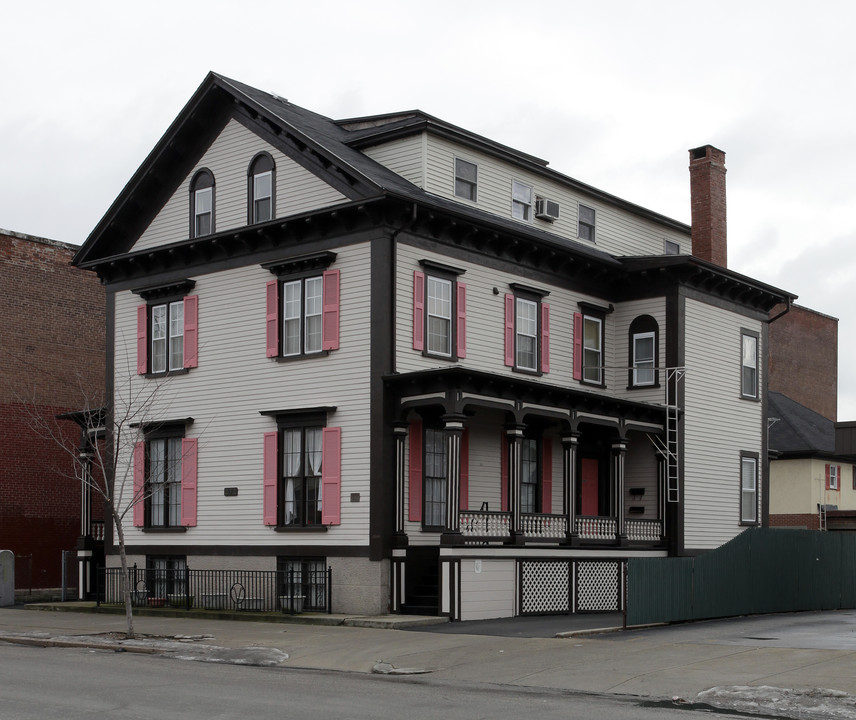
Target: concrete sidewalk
801, 650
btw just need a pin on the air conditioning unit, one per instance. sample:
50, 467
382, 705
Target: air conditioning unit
546, 209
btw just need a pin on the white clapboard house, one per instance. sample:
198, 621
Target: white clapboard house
466, 383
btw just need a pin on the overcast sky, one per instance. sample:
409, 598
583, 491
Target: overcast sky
612, 93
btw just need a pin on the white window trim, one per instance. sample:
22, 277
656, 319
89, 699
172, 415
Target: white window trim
166, 339
449, 319
267, 196
592, 225
518, 301
473, 183
745, 491
599, 350
521, 209
197, 214
652, 360
744, 336
834, 480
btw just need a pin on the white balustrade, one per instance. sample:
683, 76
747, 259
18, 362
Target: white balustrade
596, 528
650, 530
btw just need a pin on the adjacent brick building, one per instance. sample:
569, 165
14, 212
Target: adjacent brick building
51, 361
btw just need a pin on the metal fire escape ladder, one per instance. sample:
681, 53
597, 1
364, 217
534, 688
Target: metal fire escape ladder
670, 447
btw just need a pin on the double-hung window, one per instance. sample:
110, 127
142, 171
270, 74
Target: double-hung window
527, 330
530, 476
302, 307
164, 471
748, 488
521, 201
749, 364
439, 311
167, 329
434, 479
202, 203
466, 179
302, 470
261, 186
586, 224
589, 344
643, 337
833, 477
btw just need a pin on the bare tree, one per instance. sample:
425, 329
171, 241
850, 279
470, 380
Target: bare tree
103, 461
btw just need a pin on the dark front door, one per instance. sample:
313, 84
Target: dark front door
590, 486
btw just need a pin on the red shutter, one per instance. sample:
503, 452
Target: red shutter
838, 477
142, 340
188, 482
509, 330
414, 436
270, 478
272, 318
330, 311
191, 331
418, 310
503, 471
827, 476
545, 338
547, 476
578, 346
331, 476
461, 330
465, 470
139, 484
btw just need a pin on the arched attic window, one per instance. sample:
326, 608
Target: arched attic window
261, 188
202, 203
643, 350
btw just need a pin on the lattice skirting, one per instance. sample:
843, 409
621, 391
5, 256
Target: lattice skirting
562, 586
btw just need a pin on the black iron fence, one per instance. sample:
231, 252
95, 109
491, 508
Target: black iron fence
290, 591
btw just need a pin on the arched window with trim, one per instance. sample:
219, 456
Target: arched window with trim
644, 350
202, 203
261, 188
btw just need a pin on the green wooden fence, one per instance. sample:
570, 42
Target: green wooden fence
759, 571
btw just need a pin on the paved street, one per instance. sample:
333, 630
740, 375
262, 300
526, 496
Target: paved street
798, 651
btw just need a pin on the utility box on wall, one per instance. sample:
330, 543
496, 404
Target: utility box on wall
7, 578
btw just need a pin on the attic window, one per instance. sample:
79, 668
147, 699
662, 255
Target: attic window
261, 188
202, 204
466, 179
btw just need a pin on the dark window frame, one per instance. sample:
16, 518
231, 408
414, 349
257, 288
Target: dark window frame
445, 273
261, 164
167, 580
586, 230
642, 325
436, 429
593, 312
203, 179
536, 296
302, 421
756, 460
537, 440
164, 433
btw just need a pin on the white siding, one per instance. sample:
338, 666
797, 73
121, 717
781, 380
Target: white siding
228, 158
617, 231
618, 348
719, 424
235, 380
405, 156
489, 593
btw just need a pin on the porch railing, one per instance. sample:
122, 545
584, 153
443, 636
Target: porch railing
486, 526
544, 526
596, 528
649, 530
236, 590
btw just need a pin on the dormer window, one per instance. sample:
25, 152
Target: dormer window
466, 179
586, 225
521, 201
202, 204
261, 175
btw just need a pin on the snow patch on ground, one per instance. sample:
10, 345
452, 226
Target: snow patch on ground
813, 704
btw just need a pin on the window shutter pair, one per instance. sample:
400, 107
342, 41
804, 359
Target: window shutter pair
331, 477
191, 335
510, 313
419, 315
837, 476
188, 482
329, 313
414, 435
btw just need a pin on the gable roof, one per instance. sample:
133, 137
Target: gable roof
798, 430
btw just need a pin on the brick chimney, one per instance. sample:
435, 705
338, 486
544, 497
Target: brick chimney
707, 196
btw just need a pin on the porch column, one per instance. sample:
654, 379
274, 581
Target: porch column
619, 450
453, 429
514, 434
569, 478
85, 463
399, 431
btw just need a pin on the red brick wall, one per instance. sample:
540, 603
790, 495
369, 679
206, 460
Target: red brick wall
51, 361
708, 205
804, 359
810, 521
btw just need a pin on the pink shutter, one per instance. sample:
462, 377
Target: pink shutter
188, 482
139, 484
503, 471
545, 338
465, 470
827, 476
418, 310
839, 477
578, 346
269, 477
330, 311
142, 339
191, 331
331, 476
547, 476
461, 329
414, 435
272, 318
509, 330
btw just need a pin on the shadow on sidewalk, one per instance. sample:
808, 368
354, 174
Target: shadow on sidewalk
537, 626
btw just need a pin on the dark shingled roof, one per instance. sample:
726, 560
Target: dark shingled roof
799, 431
